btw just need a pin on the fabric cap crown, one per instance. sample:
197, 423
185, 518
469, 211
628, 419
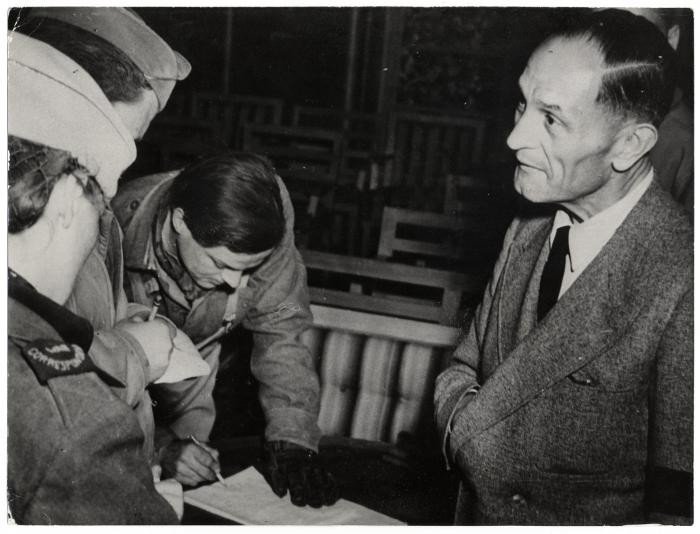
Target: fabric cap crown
124, 29
52, 101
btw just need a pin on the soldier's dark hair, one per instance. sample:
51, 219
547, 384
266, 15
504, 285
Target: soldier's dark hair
638, 77
118, 77
232, 200
33, 172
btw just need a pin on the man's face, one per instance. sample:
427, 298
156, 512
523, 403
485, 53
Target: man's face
214, 266
137, 115
562, 137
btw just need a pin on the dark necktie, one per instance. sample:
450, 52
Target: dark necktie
550, 284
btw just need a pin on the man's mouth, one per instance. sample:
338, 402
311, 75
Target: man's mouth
528, 165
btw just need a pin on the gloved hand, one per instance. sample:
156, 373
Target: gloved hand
287, 466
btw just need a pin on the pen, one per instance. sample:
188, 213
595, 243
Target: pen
216, 335
152, 315
201, 446
154, 309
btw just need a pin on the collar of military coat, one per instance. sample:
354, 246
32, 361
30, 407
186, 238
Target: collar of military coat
138, 242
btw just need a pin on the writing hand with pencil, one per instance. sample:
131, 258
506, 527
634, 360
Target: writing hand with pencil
191, 462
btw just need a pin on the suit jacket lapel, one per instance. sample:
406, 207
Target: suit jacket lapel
586, 320
523, 267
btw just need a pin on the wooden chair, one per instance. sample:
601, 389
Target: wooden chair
375, 286
308, 160
426, 147
470, 195
449, 243
233, 112
377, 372
360, 133
172, 141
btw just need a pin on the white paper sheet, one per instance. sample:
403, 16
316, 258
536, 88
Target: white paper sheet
249, 500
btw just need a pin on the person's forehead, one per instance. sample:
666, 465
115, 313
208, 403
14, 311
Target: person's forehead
237, 260
563, 72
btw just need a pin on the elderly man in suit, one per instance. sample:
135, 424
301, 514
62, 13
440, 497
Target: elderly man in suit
569, 399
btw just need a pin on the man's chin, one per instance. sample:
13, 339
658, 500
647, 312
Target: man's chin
530, 183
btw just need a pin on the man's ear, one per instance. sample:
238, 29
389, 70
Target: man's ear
178, 220
633, 142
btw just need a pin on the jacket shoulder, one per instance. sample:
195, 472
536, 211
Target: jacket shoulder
665, 231
131, 193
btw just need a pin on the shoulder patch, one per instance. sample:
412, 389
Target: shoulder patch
50, 358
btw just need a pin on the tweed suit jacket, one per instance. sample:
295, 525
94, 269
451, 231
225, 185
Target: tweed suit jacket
586, 417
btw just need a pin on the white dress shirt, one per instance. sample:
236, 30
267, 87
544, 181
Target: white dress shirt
587, 238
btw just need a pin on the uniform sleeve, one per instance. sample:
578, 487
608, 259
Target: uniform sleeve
670, 478
187, 407
282, 364
98, 473
454, 385
120, 355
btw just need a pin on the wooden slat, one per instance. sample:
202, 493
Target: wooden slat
369, 324
425, 310
397, 272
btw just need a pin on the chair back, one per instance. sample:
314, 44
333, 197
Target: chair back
393, 289
233, 112
424, 147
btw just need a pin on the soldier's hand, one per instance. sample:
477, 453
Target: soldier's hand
300, 470
190, 463
156, 340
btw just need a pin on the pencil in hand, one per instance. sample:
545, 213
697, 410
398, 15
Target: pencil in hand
217, 472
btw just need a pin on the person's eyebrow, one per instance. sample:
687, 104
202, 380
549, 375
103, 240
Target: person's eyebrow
556, 109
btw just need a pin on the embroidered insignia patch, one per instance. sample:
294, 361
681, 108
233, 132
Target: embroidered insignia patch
50, 358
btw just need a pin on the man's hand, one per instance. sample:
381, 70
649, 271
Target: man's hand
291, 467
189, 463
156, 340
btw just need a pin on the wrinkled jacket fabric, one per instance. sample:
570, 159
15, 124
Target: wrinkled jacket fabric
274, 306
98, 296
585, 417
75, 451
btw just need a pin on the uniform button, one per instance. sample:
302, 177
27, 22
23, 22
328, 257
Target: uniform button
518, 499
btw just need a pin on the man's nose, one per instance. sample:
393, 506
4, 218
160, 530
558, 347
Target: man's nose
231, 278
520, 135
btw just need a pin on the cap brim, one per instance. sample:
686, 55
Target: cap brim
183, 66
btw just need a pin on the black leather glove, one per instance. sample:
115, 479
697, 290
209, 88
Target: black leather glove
287, 466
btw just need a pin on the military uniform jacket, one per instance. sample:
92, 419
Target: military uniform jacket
75, 451
98, 296
586, 417
274, 306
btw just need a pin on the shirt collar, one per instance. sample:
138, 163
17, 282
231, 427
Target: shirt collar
587, 238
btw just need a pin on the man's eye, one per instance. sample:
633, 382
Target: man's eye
549, 118
520, 108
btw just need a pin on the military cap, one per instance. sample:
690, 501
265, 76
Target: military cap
52, 101
125, 30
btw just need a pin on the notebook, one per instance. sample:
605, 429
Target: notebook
249, 500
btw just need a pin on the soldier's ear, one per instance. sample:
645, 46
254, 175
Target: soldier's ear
178, 221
